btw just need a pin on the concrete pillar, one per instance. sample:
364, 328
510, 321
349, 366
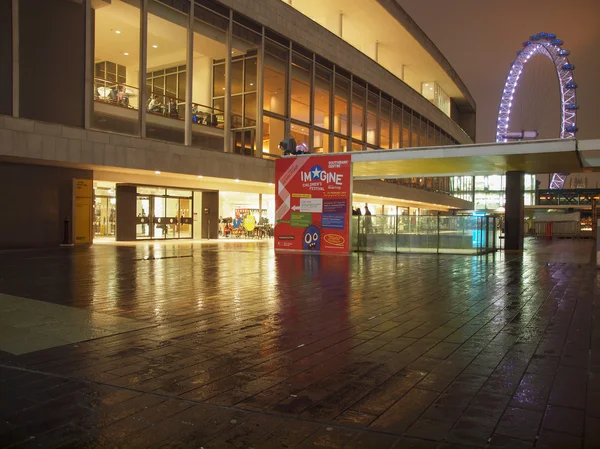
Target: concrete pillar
210, 215
126, 217
514, 211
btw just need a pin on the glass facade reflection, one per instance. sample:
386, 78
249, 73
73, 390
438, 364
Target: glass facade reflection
209, 91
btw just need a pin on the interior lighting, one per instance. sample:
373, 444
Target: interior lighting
200, 176
157, 172
237, 180
126, 54
155, 46
117, 31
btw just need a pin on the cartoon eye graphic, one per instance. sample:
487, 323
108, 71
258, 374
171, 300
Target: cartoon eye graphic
315, 236
308, 238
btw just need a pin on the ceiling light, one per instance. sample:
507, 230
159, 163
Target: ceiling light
270, 183
117, 31
431, 88
126, 54
200, 176
252, 84
237, 180
155, 46
157, 172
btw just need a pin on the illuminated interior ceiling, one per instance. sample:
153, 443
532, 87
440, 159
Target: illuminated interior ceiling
365, 23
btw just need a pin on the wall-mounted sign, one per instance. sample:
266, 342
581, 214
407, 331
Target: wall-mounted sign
82, 210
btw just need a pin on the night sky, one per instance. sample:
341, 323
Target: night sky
480, 38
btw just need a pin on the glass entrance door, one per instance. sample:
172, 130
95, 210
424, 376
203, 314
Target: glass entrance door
105, 216
164, 217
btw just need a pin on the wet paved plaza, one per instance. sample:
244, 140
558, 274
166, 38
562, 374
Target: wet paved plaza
231, 346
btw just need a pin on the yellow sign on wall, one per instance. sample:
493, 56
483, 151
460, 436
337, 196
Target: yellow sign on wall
82, 211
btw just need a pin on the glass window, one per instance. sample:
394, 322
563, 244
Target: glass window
236, 111
406, 129
237, 76
416, 131
301, 76
276, 61
208, 79
340, 145
342, 100
166, 65
321, 142
372, 111
384, 124
273, 134
250, 109
250, 75
397, 127
301, 134
358, 111
357, 146
116, 67
323, 79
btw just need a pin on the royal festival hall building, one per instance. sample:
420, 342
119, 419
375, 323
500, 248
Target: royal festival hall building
165, 116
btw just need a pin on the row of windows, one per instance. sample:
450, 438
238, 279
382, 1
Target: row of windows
297, 93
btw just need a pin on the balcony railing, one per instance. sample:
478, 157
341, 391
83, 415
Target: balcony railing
424, 234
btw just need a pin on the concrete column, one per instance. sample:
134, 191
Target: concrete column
227, 106
15, 59
514, 210
89, 64
126, 217
210, 215
190, 76
143, 67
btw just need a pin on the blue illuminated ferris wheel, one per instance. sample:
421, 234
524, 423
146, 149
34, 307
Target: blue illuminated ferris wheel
548, 45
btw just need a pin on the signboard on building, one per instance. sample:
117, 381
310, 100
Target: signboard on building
313, 203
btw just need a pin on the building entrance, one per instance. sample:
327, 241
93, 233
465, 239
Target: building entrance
164, 217
105, 216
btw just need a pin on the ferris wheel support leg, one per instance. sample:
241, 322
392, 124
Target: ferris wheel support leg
514, 211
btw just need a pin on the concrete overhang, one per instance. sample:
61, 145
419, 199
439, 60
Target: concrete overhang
534, 157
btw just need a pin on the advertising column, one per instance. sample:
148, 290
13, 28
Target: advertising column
312, 203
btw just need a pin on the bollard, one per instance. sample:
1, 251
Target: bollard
66, 238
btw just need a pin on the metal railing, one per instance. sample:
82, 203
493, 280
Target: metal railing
424, 234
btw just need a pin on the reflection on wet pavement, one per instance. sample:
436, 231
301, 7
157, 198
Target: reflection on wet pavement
233, 346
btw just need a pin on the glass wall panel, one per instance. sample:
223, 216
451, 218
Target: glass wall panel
301, 134
342, 100
397, 127
358, 111
116, 67
415, 131
321, 142
276, 61
384, 124
323, 80
357, 146
208, 80
237, 76
244, 72
166, 72
340, 145
273, 134
372, 111
301, 76
406, 129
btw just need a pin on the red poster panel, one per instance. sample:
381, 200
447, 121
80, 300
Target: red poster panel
313, 203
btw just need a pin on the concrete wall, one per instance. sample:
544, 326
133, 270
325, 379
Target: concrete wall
35, 201
51, 52
5, 57
66, 145
289, 22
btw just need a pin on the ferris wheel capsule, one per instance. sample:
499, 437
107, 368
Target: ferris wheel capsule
571, 85
526, 44
542, 35
571, 129
534, 37
558, 42
550, 36
568, 66
572, 106
563, 52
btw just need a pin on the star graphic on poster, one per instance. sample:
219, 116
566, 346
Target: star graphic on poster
316, 172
